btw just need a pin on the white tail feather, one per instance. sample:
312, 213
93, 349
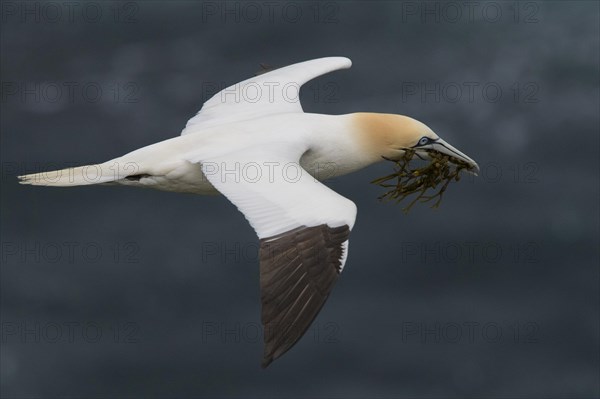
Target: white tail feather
82, 175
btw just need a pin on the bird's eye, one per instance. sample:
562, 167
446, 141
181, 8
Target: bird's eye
423, 141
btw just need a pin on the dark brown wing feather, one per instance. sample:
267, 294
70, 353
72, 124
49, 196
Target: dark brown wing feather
298, 269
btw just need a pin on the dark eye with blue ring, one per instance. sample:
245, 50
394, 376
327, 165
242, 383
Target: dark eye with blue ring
424, 140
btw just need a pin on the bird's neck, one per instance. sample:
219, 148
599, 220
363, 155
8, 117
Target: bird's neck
343, 145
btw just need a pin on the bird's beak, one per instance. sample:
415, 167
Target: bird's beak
444, 148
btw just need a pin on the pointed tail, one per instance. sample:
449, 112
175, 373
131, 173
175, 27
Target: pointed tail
82, 175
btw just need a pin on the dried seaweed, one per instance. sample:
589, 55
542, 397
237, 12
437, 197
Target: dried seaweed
404, 182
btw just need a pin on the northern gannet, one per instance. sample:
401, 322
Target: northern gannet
253, 143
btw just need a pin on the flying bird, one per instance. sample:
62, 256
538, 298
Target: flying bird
253, 143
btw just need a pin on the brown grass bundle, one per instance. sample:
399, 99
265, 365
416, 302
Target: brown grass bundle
405, 181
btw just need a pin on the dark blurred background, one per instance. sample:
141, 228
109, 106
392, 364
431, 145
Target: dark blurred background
114, 292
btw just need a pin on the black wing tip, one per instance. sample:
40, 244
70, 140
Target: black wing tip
264, 68
265, 362
321, 270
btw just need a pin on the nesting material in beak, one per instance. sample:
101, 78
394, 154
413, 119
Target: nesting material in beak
405, 181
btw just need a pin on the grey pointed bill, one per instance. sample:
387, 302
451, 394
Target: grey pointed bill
443, 147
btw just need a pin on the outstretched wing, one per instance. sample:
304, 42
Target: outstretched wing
272, 92
303, 227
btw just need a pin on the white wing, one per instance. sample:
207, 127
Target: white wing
270, 93
303, 228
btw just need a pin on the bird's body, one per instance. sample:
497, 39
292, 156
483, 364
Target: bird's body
268, 157
328, 146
